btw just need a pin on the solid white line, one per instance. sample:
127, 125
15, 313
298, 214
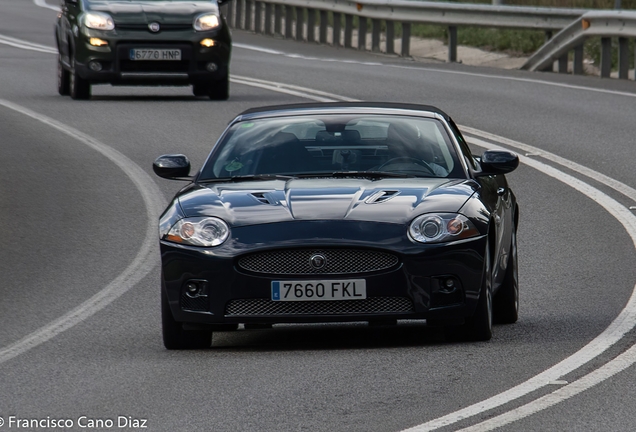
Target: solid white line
44, 4
622, 324
281, 90
435, 70
144, 262
17, 43
331, 97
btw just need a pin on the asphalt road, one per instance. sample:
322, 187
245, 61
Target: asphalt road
75, 215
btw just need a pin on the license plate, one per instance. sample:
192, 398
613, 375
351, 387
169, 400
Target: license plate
316, 290
155, 54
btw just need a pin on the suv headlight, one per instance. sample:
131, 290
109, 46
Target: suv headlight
99, 21
441, 227
206, 22
199, 231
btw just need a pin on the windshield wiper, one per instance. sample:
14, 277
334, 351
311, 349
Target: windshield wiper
371, 174
248, 177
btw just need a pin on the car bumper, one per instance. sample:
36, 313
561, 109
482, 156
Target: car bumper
412, 288
117, 68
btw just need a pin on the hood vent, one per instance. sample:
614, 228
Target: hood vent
381, 196
264, 197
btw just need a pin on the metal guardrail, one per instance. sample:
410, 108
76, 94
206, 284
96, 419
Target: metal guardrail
296, 18
603, 24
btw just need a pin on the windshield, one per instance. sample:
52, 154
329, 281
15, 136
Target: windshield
334, 145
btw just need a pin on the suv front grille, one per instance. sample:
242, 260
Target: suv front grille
299, 261
266, 307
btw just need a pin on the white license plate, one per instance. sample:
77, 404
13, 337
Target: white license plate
155, 54
350, 289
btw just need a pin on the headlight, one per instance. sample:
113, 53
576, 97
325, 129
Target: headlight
441, 227
98, 21
206, 22
199, 231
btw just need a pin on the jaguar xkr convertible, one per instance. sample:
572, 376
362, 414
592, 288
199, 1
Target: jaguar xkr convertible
339, 212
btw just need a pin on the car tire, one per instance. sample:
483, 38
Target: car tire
506, 301
220, 89
200, 90
63, 78
80, 88
175, 337
479, 326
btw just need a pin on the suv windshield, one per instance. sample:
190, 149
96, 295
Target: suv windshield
335, 145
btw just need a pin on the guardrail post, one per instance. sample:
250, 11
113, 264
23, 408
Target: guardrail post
258, 17
278, 18
577, 66
348, 30
311, 25
452, 44
390, 37
268, 18
229, 17
337, 29
606, 57
376, 27
248, 14
323, 27
623, 58
239, 14
289, 22
300, 23
563, 63
362, 33
406, 39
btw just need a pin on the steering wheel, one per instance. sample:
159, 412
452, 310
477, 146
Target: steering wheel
418, 162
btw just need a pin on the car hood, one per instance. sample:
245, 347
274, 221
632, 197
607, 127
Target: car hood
387, 200
145, 12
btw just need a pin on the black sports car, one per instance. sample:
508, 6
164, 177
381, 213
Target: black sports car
339, 212
143, 42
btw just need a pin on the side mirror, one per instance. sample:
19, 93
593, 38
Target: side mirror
498, 162
174, 167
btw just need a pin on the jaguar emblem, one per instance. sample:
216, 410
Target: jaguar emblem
318, 261
154, 27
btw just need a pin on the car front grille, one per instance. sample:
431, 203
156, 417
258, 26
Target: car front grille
299, 262
266, 307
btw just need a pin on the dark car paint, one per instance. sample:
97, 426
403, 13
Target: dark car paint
340, 218
72, 37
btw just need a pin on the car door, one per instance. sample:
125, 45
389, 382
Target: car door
67, 25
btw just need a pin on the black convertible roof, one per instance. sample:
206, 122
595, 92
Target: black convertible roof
382, 107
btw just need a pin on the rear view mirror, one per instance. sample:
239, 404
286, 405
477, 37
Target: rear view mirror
498, 162
174, 167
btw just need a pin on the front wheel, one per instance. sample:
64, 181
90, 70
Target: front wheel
63, 78
174, 337
220, 90
80, 88
479, 326
506, 301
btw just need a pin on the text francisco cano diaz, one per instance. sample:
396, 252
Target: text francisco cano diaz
81, 422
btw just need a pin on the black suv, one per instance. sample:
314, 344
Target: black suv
143, 42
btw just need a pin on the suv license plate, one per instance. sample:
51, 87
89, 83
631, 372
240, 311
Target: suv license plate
155, 54
317, 290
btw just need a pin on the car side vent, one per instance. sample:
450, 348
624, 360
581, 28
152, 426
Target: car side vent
264, 197
382, 196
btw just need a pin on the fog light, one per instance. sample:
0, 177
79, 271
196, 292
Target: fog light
448, 285
211, 67
97, 42
208, 42
192, 289
95, 66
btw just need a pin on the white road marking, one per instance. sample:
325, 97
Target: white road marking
145, 260
617, 329
17, 43
622, 324
44, 4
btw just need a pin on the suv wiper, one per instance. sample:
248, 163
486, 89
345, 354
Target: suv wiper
248, 177
371, 174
